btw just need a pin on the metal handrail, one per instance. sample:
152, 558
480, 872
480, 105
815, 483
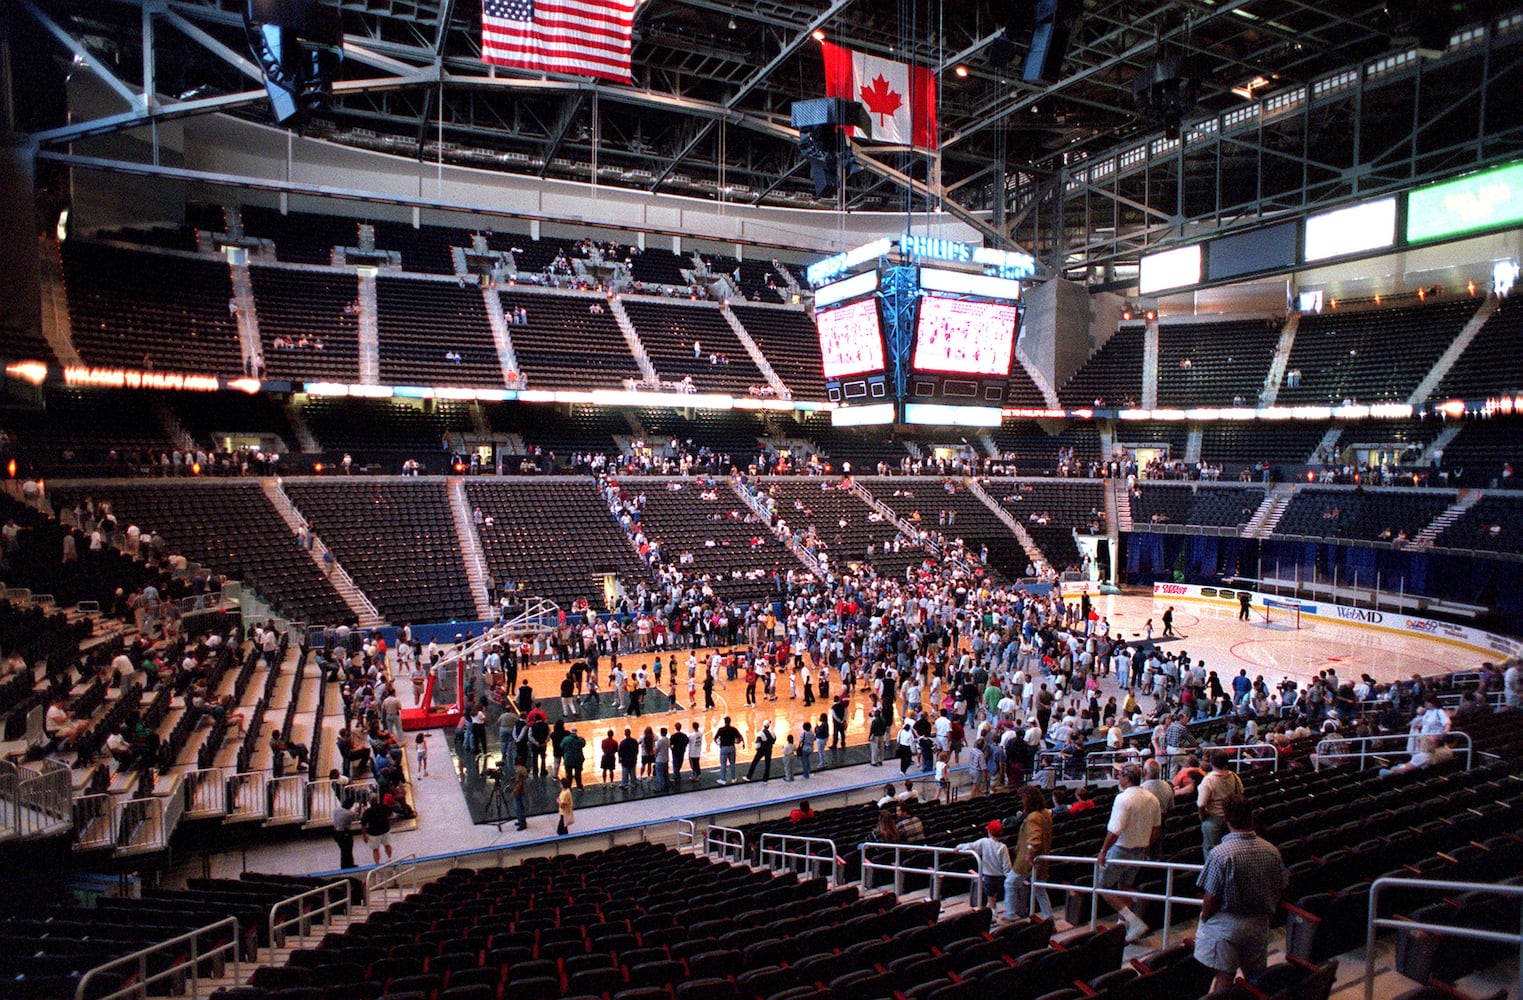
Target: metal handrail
287, 799
10, 795
1374, 923
783, 853
725, 841
139, 988
205, 792
686, 827
247, 793
1396, 743
94, 822
1094, 891
35, 801
936, 873
319, 788
304, 918
1245, 756
382, 879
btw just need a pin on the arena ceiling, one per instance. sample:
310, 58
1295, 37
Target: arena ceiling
707, 111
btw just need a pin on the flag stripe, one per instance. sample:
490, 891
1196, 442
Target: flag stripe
576, 37
545, 39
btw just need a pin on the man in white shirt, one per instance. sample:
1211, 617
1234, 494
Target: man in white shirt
1512, 684
1133, 829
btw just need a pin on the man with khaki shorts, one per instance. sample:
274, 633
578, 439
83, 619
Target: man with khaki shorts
1134, 826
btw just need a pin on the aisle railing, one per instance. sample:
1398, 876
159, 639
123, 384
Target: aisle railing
396, 876
1168, 897
872, 863
724, 842
1365, 750
329, 899
812, 855
182, 972
1374, 923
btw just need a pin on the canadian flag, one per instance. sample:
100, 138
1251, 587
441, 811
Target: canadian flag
900, 98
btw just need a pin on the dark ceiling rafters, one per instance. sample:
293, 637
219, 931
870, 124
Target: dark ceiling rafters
741, 62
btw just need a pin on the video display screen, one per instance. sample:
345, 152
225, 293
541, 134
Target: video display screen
851, 339
965, 337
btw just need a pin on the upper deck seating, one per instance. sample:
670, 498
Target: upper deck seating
1222, 363
301, 237
424, 325
139, 309
1113, 373
294, 304
669, 330
1370, 356
566, 343
791, 345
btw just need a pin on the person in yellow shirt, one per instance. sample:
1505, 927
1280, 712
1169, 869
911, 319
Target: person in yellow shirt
564, 806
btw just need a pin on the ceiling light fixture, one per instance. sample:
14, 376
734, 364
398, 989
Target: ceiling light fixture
961, 71
818, 35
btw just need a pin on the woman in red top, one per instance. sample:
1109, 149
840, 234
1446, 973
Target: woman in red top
801, 812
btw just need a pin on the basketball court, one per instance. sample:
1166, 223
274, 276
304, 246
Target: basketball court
1284, 645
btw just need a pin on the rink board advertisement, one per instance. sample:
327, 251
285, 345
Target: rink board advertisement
1487, 643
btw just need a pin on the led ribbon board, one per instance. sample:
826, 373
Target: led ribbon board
1487, 200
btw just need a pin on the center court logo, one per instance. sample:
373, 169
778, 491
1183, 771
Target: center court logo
1361, 615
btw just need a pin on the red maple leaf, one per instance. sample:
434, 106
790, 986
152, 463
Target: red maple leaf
881, 99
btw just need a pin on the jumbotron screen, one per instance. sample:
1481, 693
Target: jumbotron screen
964, 337
851, 339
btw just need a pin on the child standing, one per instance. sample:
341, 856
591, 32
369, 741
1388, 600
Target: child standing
422, 751
943, 778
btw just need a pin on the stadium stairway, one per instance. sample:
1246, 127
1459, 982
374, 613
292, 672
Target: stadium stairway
1276, 374
1452, 353
305, 439
370, 334
500, 333
744, 336
1437, 445
636, 347
1329, 442
57, 325
1118, 505
1028, 544
364, 611
470, 547
1263, 522
248, 315
882, 508
755, 505
1452, 513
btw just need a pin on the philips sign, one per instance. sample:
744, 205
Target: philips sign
931, 248
1010, 264
822, 271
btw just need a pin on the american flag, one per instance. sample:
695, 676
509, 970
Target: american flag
577, 37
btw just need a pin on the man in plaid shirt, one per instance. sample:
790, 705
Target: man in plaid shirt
1241, 886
